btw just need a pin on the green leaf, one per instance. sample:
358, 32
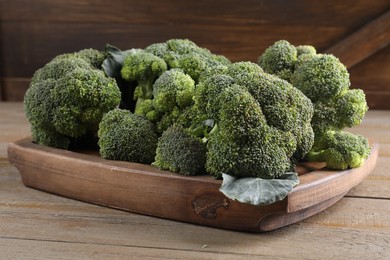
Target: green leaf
112, 65
257, 191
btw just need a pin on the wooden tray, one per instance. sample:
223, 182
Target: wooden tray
145, 189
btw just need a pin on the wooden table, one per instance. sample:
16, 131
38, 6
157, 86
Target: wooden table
38, 225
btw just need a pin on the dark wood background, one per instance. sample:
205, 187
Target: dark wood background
357, 31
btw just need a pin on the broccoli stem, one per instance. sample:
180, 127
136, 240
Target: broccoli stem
315, 156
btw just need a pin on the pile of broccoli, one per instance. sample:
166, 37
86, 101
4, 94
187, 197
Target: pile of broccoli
181, 108
325, 81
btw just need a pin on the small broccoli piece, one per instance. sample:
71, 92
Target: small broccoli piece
48, 137
143, 68
321, 77
343, 111
59, 67
185, 46
243, 145
93, 57
173, 95
306, 49
173, 88
81, 98
279, 59
192, 64
285, 107
161, 50
207, 93
127, 137
179, 151
67, 100
340, 150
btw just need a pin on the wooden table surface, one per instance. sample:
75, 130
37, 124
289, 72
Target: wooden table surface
38, 225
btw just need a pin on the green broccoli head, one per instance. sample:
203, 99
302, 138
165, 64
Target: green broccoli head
59, 67
127, 137
207, 93
279, 59
346, 110
161, 50
340, 150
284, 107
244, 145
81, 98
173, 88
144, 68
93, 57
321, 78
185, 46
192, 64
179, 151
67, 100
305, 49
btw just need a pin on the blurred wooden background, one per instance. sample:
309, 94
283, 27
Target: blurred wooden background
357, 31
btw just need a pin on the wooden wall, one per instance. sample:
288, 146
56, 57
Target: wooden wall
34, 31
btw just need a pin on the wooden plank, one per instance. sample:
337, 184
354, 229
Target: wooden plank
16, 248
13, 89
367, 220
366, 41
249, 12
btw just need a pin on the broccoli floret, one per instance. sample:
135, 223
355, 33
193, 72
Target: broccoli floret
207, 93
340, 150
81, 98
173, 88
343, 111
68, 100
180, 151
127, 137
244, 145
161, 50
143, 68
279, 59
321, 77
192, 64
93, 57
306, 49
59, 67
285, 107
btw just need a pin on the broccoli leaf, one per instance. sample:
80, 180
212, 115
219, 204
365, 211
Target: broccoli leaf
112, 65
257, 191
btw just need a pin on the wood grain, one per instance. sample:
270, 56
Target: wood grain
38, 225
364, 42
33, 32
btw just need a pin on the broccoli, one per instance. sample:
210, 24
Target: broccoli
279, 59
67, 99
340, 150
242, 144
186, 55
321, 77
305, 49
126, 136
284, 107
178, 150
173, 92
173, 88
59, 67
144, 68
325, 81
340, 112
94, 57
